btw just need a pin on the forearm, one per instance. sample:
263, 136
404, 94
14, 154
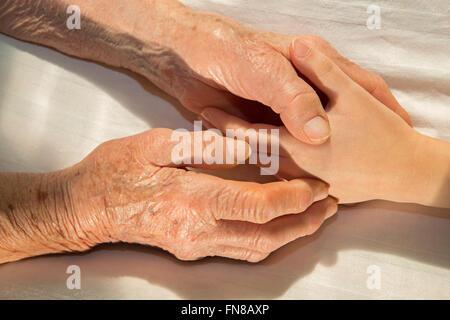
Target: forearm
434, 170
427, 174
140, 35
37, 216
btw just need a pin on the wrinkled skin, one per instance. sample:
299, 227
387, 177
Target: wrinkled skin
201, 58
121, 192
242, 71
124, 190
373, 153
132, 188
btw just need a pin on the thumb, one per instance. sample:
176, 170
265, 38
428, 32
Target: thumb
297, 103
181, 148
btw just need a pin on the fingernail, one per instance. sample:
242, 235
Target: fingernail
301, 50
317, 129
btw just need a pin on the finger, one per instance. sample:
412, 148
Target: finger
257, 239
318, 68
297, 103
303, 114
284, 146
260, 203
259, 136
210, 96
223, 121
199, 149
239, 253
372, 83
382, 92
288, 228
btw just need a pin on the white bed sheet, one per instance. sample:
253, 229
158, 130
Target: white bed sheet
55, 109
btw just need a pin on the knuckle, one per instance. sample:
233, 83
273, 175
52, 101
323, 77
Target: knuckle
148, 145
377, 83
121, 148
304, 98
306, 93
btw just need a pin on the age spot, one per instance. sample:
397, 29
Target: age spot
42, 195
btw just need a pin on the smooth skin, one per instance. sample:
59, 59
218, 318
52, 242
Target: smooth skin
130, 190
373, 153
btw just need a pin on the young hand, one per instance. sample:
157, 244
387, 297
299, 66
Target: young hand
372, 154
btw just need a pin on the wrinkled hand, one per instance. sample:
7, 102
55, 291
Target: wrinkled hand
242, 71
370, 153
130, 190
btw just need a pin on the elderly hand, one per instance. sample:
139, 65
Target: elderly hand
130, 190
372, 154
226, 65
241, 70
203, 59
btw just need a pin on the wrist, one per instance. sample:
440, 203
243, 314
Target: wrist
37, 216
147, 37
431, 177
424, 177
